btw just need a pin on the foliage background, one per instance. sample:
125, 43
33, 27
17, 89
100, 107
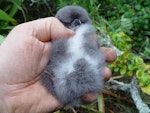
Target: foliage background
125, 22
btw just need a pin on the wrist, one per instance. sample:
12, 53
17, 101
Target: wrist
24, 100
3, 103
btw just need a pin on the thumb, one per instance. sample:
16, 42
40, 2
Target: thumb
58, 30
45, 29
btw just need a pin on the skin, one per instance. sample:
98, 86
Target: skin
23, 56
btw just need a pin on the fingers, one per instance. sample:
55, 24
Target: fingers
89, 97
45, 29
107, 73
109, 53
111, 56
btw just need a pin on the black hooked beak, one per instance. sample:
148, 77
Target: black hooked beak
76, 22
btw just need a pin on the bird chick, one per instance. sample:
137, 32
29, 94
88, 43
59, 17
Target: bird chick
76, 64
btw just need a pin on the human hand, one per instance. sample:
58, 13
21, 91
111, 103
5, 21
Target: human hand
23, 55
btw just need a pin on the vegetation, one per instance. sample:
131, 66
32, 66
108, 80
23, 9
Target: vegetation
126, 22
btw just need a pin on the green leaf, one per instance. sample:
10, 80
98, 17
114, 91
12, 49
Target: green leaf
130, 56
130, 73
128, 38
6, 27
122, 57
58, 111
139, 60
18, 4
144, 79
131, 67
126, 23
139, 73
146, 89
1, 39
5, 17
91, 2
137, 7
116, 69
122, 71
13, 11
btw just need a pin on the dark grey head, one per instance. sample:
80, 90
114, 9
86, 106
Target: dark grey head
73, 16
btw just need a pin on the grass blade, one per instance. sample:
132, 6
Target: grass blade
101, 103
5, 17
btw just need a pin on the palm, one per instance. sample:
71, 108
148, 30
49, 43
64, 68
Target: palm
28, 57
